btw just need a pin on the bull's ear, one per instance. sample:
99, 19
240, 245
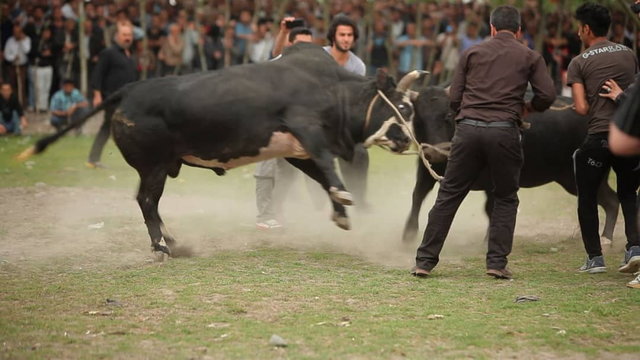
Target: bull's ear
384, 81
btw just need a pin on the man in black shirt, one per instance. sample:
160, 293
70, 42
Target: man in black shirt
115, 69
11, 115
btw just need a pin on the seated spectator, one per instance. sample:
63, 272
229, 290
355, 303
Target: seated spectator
12, 118
67, 105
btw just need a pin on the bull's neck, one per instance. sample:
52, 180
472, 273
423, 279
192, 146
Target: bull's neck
361, 94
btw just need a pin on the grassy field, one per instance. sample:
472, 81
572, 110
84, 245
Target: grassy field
71, 290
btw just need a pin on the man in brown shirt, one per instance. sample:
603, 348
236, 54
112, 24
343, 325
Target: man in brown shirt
487, 93
588, 72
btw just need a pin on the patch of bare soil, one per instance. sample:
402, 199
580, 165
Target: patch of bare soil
104, 226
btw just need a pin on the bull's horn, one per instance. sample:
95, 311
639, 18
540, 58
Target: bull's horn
405, 83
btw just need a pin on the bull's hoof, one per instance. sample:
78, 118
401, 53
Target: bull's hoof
340, 196
161, 248
342, 221
605, 241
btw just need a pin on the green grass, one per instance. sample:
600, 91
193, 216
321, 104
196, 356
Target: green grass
327, 303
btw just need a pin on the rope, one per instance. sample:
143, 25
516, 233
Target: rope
408, 132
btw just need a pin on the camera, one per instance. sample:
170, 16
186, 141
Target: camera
635, 8
294, 23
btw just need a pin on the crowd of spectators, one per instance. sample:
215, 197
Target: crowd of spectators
40, 38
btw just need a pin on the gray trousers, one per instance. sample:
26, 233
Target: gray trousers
273, 181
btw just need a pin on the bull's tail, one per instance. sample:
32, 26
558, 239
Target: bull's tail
42, 144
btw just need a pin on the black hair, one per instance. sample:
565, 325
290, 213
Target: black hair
264, 20
341, 20
68, 81
596, 16
298, 31
505, 17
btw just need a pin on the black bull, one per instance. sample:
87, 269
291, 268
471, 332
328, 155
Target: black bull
548, 149
304, 107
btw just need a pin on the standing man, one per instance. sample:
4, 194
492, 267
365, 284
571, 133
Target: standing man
588, 72
487, 94
274, 176
115, 69
342, 35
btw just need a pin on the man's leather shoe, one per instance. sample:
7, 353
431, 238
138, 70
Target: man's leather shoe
500, 273
421, 273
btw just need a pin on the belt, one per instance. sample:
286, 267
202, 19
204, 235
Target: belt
488, 124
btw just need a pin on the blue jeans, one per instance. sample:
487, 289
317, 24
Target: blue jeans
13, 124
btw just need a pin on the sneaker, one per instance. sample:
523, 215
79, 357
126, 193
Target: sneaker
594, 266
268, 224
631, 262
635, 283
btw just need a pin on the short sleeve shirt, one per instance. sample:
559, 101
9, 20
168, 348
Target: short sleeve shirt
353, 64
597, 64
62, 101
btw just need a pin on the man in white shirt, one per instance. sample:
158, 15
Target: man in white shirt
342, 35
15, 53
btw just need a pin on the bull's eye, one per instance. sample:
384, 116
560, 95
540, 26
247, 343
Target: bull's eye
401, 107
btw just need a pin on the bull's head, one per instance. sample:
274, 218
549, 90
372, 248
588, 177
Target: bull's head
389, 117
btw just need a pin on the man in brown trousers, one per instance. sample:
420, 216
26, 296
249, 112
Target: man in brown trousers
487, 94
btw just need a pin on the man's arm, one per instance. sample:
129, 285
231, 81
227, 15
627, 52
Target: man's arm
544, 92
10, 50
458, 83
622, 143
281, 38
99, 74
580, 98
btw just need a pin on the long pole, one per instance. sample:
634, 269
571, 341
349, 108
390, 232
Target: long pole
83, 50
145, 61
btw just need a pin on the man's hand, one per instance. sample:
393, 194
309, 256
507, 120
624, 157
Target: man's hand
283, 24
97, 98
23, 122
71, 109
611, 90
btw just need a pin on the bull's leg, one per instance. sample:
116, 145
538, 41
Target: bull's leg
339, 215
151, 188
424, 184
608, 199
307, 128
488, 209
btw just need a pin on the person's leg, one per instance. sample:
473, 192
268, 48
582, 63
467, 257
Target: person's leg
628, 178
627, 171
285, 175
465, 162
44, 76
15, 126
505, 158
101, 137
591, 164
265, 181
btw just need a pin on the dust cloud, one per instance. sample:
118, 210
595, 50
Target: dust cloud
93, 226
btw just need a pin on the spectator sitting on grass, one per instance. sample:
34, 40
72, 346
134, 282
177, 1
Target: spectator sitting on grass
67, 105
12, 117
